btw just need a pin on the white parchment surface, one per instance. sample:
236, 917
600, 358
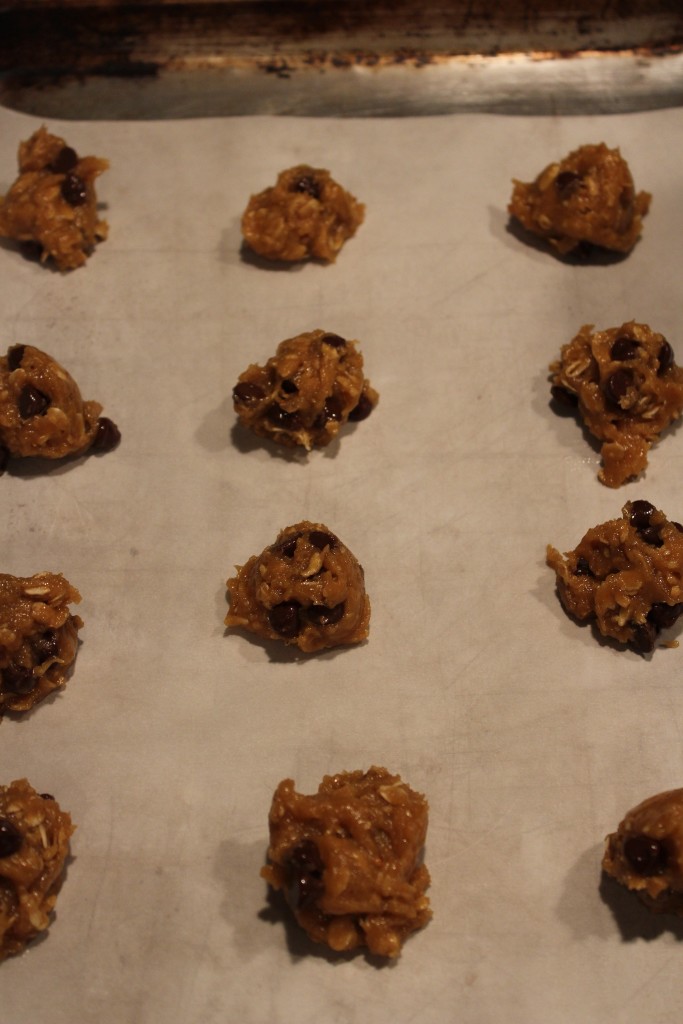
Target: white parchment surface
529, 737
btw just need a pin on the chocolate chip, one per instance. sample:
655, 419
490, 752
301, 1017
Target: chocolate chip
362, 410
663, 616
65, 161
45, 645
32, 402
624, 348
10, 838
246, 392
306, 183
306, 869
279, 417
617, 384
640, 512
46, 796
289, 387
4, 458
15, 354
563, 397
567, 184
644, 636
582, 567
73, 190
284, 618
647, 856
17, 679
334, 340
321, 540
651, 536
287, 547
678, 526
666, 358
333, 408
107, 435
321, 615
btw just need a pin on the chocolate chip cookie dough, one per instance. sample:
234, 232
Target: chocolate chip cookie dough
38, 637
52, 205
42, 412
349, 859
305, 214
305, 589
627, 389
306, 392
646, 852
586, 199
34, 844
625, 575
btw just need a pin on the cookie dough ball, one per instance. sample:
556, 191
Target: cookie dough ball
310, 388
305, 214
646, 852
625, 575
587, 199
38, 637
34, 844
42, 412
627, 389
52, 205
349, 859
306, 589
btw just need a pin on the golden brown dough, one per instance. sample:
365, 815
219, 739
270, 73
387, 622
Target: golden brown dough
305, 589
305, 214
349, 859
645, 854
34, 845
588, 198
38, 637
53, 204
42, 412
628, 389
306, 392
625, 575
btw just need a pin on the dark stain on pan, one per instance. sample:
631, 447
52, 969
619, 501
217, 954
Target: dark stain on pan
46, 43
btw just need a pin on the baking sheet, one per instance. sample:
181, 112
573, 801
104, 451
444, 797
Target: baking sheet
529, 738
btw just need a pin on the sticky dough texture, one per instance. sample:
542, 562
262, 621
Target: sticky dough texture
306, 589
586, 198
305, 214
627, 389
645, 854
31, 877
626, 575
349, 859
306, 392
38, 637
35, 208
41, 409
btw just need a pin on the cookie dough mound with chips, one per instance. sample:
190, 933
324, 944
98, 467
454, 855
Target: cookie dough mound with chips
305, 589
588, 199
34, 845
305, 214
626, 575
628, 389
52, 205
42, 412
309, 389
38, 637
645, 854
349, 860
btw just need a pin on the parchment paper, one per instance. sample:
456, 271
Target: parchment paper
529, 737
